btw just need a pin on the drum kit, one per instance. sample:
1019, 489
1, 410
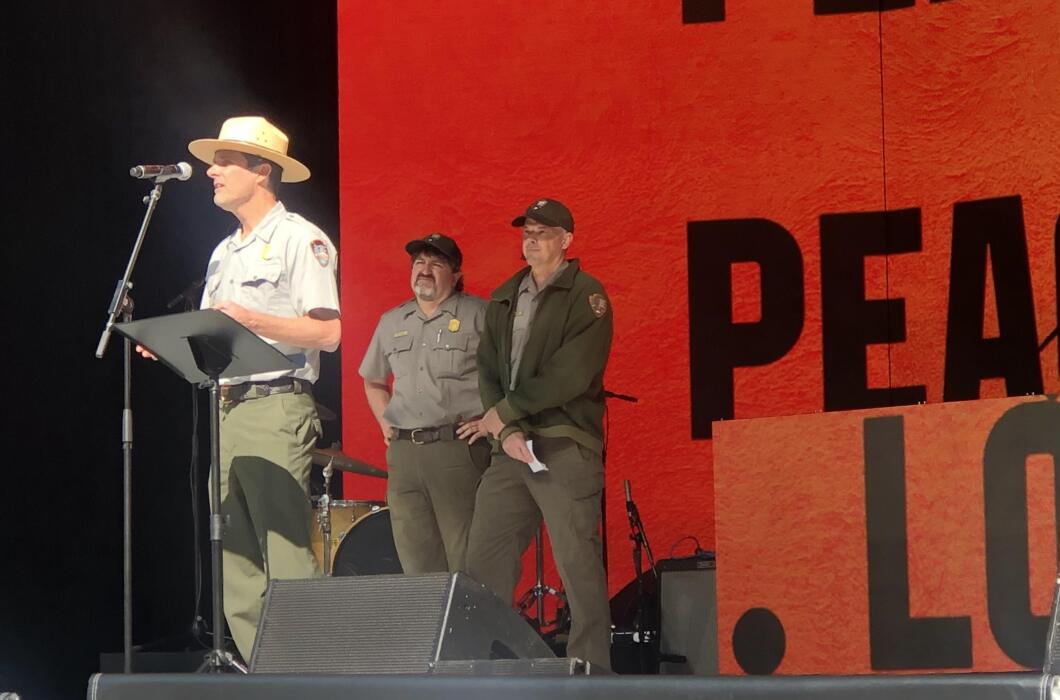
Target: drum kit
351, 538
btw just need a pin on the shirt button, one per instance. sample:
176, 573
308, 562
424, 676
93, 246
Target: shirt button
424, 344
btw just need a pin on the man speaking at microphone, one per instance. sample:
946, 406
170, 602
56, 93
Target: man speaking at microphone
276, 275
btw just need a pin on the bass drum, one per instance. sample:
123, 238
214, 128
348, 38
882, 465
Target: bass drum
343, 515
368, 547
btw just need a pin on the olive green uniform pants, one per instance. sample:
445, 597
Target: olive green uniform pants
266, 456
510, 503
431, 494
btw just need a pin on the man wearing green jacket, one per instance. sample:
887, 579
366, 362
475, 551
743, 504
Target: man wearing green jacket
541, 361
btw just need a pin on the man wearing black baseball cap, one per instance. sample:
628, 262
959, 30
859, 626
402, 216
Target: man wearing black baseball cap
430, 421
541, 365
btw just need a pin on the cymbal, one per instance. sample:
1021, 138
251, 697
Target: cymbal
338, 460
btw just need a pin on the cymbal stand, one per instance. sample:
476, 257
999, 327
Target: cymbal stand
324, 516
536, 595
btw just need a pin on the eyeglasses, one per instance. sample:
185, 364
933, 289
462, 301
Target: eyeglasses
540, 232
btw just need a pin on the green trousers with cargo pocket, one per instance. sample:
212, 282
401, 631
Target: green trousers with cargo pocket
509, 506
266, 457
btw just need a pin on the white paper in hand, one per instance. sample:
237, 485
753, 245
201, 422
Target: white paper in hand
536, 465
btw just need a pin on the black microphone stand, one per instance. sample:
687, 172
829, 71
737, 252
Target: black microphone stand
121, 305
641, 636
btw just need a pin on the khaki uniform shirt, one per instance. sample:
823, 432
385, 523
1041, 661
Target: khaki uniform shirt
432, 360
285, 267
525, 307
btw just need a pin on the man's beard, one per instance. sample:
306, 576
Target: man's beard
425, 290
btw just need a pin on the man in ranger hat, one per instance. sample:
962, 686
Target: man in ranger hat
541, 366
430, 419
276, 275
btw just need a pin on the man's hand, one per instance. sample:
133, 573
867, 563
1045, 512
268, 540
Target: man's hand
388, 432
238, 313
471, 430
492, 423
515, 447
144, 352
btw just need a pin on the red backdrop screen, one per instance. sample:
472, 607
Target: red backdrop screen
797, 206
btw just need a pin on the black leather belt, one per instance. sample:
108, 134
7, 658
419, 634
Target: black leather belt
234, 393
422, 436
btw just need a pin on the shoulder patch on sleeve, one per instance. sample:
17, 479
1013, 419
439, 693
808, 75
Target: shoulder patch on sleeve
320, 252
598, 303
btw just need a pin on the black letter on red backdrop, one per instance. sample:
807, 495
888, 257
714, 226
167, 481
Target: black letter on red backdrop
850, 322
896, 640
717, 344
839, 7
1027, 429
994, 225
1056, 270
699, 11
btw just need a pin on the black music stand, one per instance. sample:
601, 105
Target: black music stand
204, 347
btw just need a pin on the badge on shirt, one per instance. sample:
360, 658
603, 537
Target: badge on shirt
320, 252
266, 250
400, 334
598, 303
454, 325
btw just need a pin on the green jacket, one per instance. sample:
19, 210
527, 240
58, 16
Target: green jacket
560, 388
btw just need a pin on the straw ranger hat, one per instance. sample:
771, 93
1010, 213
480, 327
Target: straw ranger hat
256, 136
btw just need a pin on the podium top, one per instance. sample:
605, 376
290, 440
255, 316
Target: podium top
200, 344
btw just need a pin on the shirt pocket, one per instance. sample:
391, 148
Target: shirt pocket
260, 283
453, 354
399, 355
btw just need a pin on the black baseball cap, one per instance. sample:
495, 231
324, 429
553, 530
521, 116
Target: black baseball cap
439, 243
550, 212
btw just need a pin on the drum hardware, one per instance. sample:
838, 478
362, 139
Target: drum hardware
332, 459
535, 597
324, 517
335, 458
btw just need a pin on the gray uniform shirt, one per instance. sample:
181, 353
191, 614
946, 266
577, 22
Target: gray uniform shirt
525, 308
432, 360
285, 267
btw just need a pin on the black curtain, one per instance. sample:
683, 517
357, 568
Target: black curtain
90, 89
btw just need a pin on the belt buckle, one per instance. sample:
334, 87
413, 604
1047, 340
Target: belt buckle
414, 439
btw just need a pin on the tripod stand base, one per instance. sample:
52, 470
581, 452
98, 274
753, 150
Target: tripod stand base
221, 662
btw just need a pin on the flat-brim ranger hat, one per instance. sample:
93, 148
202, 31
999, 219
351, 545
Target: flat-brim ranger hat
549, 212
256, 136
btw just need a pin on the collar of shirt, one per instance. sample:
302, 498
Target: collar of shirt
264, 230
528, 284
449, 306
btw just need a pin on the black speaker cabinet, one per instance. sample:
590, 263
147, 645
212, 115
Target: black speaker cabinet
387, 624
688, 616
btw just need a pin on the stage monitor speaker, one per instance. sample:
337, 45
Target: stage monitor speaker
386, 624
688, 616
1051, 665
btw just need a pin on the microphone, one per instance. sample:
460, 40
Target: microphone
161, 173
186, 295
